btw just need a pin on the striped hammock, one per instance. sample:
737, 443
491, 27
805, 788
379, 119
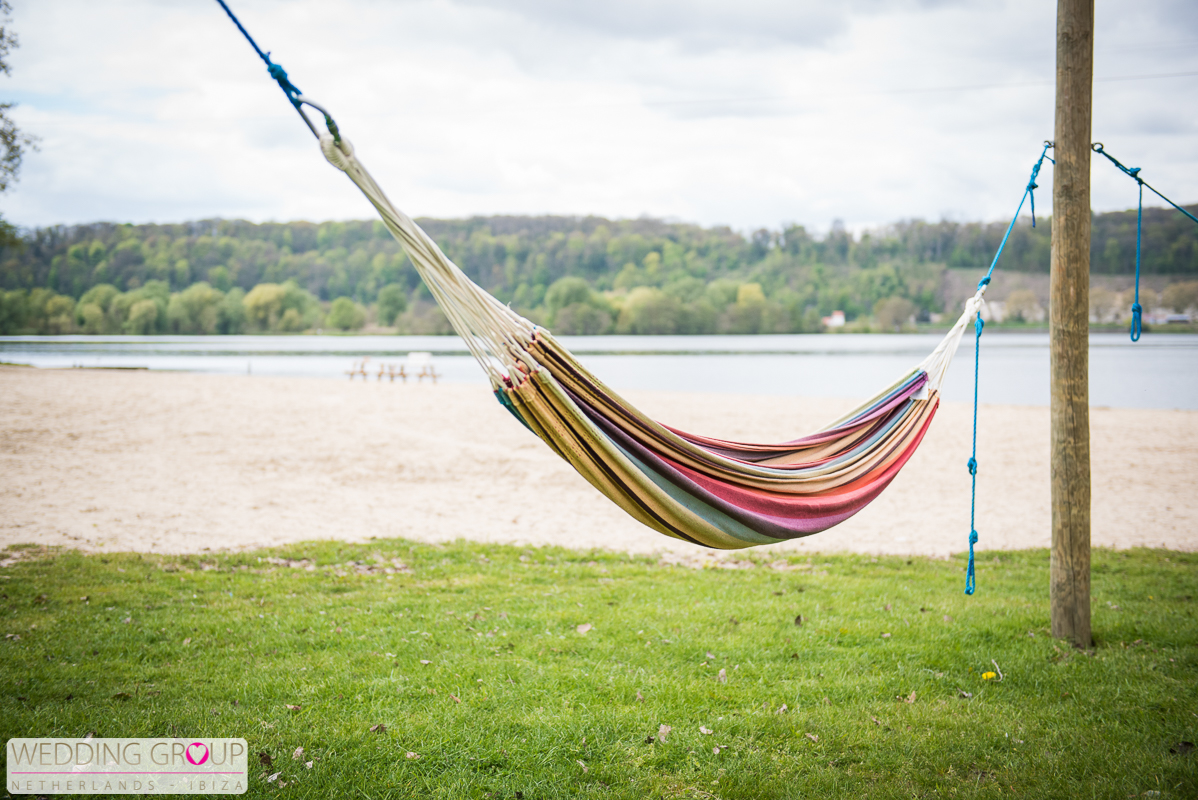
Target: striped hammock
707, 491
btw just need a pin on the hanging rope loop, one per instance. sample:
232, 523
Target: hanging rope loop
1137, 310
970, 577
972, 464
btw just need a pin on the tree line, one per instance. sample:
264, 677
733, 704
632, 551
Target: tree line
575, 274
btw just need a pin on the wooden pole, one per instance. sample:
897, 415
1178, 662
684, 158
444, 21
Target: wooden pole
1069, 320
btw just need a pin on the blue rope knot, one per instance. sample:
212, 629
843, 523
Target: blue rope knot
984, 282
1137, 327
973, 537
979, 323
972, 464
280, 75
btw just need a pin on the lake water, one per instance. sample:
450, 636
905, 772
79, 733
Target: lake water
1159, 371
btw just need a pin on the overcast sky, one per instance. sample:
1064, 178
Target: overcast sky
752, 113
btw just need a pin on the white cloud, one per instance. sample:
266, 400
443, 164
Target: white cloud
750, 113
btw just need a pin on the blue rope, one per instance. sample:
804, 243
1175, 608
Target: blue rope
1137, 310
276, 71
978, 324
1029, 193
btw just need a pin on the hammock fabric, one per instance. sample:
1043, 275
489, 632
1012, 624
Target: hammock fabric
707, 491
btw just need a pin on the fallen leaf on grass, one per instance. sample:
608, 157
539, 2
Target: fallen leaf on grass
781, 710
412, 755
272, 777
583, 628
812, 737
710, 655
703, 729
640, 698
663, 731
965, 695
876, 722
799, 619
908, 699
455, 698
885, 635
722, 677
308, 764
264, 759
187, 641
584, 766
298, 754
425, 661
293, 708
380, 728
886, 607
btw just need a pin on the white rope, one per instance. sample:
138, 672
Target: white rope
936, 364
498, 337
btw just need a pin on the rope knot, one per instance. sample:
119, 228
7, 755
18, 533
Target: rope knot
1137, 323
280, 75
972, 464
979, 323
336, 153
973, 538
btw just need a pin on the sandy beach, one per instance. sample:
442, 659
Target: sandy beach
104, 460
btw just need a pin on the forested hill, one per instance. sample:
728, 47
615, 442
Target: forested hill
582, 274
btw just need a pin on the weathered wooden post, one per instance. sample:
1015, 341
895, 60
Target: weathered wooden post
1069, 321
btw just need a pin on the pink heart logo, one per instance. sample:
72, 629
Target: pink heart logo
201, 753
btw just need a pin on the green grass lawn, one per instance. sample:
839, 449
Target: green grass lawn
472, 658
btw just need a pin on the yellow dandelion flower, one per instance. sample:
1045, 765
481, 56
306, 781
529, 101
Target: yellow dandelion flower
986, 676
